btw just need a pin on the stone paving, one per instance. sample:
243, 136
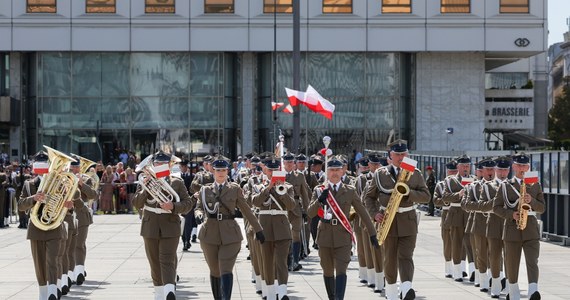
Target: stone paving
117, 268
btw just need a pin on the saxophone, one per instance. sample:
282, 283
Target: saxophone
59, 186
401, 189
523, 208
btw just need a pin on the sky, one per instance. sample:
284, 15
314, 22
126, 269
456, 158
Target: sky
558, 12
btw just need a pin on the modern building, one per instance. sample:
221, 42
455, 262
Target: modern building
559, 67
95, 76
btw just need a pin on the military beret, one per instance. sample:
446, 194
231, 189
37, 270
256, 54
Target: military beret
288, 157
464, 159
161, 156
374, 158
301, 157
334, 163
398, 146
220, 162
503, 162
521, 158
452, 165
429, 168
41, 156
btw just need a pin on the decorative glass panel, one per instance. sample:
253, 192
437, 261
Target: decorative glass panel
337, 6
281, 6
86, 74
204, 141
160, 74
205, 75
100, 6
514, 6
41, 6
455, 6
564, 172
218, 6
159, 6
205, 112
115, 74
555, 168
58, 139
396, 6
163, 112
55, 74
55, 113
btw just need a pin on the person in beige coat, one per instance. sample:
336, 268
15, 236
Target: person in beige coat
220, 236
505, 205
273, 211
401, 240
161, 229
334, 238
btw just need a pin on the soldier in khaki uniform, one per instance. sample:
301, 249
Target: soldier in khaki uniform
479, 220
505, 205
160, 228
401, 240
456, 217
273, 211
451, 170
360, 185
311, 179
335, 234
84, 219
203, 177
45, 244
298, 214
220, 236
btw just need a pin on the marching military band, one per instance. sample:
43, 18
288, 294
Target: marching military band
488, 219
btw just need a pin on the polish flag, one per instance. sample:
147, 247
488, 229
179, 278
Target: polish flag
276, 105
467, 180
162, 170
326, 151
41, 168
531, 177
315, 102
278, 176
295, 97
409, 164
288, 109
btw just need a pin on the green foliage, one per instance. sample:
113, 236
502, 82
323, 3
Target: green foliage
559, 120
528, 85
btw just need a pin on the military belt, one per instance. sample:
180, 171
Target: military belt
221, 217
332, 221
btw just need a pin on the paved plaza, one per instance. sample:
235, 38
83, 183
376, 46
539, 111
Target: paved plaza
117, 268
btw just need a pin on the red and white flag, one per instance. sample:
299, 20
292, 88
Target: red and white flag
278, 176
315, 102
162, 170
408, 164
295, 97
288, 109
276, 105
466, 180
531, 177
40, 167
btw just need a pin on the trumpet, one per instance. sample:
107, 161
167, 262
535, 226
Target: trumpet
281, 189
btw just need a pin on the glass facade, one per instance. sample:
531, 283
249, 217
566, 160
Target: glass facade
41, 6
280, 6
455, 6
396, 6
371, 91
514, 6
95, 104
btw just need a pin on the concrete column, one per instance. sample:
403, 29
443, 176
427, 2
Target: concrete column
249, 93
16, 93
540, 87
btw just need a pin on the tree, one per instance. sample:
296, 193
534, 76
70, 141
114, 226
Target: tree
559, 120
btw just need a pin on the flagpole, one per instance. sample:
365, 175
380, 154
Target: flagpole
296, 71
274, 90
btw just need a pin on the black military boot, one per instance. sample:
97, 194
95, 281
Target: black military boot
535, 296
296, 253
340, 286
329, 285
215, 283
80, 279
227, 284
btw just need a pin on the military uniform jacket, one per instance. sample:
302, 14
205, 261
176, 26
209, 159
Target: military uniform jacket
275, 227
379, 192
456, 216
201, 178
301, 195
26, 202
477, 222
494, 224
216, 205
311, 179
334, 236
438, 201
82, 213
506, 203
163, 225
252, 181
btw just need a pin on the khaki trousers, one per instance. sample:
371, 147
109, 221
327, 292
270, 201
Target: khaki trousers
80, 247
334, 259
457, 250
220, 258
482, 252
44, 254
275, 255
531, 250
365, 236
495, 256
398, 253
161, 255
446, 237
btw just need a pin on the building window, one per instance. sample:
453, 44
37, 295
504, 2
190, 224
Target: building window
219, 6
337, 6
514, 7
281, 6
41, 6
100, 6
396, 6
455, 6
159, 7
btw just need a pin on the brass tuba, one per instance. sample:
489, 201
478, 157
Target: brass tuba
59, 186
401, 189
523, 208
157, 188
